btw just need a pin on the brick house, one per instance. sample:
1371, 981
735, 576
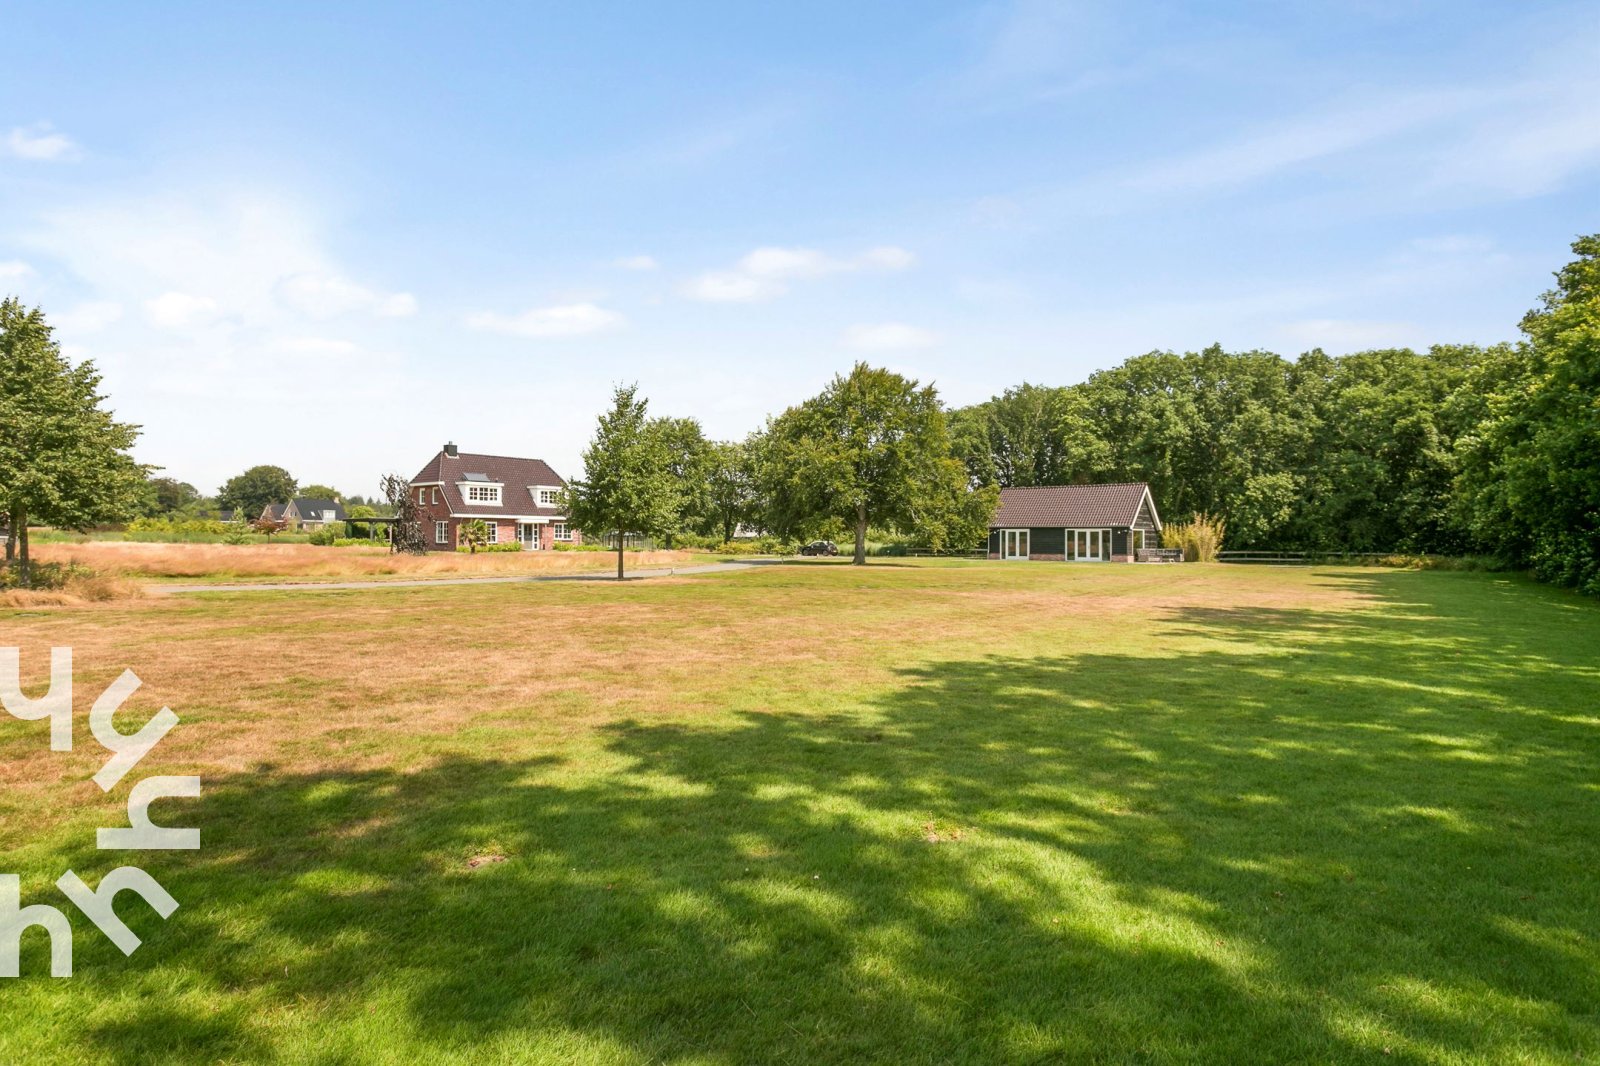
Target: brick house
515, 498
1075, 523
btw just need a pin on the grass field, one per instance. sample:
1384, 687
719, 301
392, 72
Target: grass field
812, 813
188, 563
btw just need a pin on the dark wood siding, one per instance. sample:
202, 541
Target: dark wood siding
1144, 521
1045, 541
994, 541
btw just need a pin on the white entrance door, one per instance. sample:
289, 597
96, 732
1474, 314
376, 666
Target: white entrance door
1014, 544
528, 533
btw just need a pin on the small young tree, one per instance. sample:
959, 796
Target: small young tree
405, 533
474, 534
628, 484
267, 525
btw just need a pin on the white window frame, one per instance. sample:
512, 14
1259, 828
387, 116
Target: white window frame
469, 488
441, 531
539, 491
560, 531
494, 532
422, 497
435, 495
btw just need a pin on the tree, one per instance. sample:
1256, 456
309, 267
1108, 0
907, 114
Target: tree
165, 495
628, 482
730, 489
405, 532
267, 525
252, 490
689, 460
63, 458
319, 492
1030, 435
1531, 474
873, 447
474, 533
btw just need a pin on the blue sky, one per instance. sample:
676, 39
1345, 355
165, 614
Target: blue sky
335, 239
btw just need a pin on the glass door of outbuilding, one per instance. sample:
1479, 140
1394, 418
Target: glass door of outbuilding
1088, 545
1015, 544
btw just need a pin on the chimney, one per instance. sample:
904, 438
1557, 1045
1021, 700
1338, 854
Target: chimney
450, 450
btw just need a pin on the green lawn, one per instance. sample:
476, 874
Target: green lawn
807, 813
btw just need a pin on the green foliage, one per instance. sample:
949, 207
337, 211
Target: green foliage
258, 486
177, 526
472, 535
1031, 435
63, 458
1529, 484
730, 489
165, 496
629, 483
872, 448
509, 546
319, 492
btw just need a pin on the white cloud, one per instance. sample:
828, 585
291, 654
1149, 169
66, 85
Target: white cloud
318, 346
888, 337
39, 142
328, 295
87, 317
765, 272
565, 320
174, 310
635, 262
11, 269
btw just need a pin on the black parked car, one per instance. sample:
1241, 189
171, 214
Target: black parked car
820, 547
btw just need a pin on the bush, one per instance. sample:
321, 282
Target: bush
178, 526
358, 542
72, 581
511, 546
1200, 537
322, 538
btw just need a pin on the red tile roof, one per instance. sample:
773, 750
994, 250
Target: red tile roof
516, 477
1070, 506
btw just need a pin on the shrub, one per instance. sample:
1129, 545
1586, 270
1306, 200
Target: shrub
174, 525
358, 542
1200, 537
509, 546
55, 584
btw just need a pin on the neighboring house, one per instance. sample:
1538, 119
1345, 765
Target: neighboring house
1075, 523
306, 513
515, 498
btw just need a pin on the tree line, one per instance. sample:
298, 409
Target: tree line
1459, 449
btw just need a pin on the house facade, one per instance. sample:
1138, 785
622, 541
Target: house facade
1075, 523
517, 500
306, 513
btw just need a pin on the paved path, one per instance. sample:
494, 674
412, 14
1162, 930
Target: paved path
519, 579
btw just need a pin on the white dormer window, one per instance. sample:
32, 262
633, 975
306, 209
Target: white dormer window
546, 495
479, 489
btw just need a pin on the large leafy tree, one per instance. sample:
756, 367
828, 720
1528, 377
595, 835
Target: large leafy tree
872, 448
319, 492
63, 458
252, 490
689, 460
730, 488
165, 495
1030, 435
628, 485
1531, 474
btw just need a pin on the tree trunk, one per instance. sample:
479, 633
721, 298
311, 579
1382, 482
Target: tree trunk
21, 533
11, 537
621, 536
861, 535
